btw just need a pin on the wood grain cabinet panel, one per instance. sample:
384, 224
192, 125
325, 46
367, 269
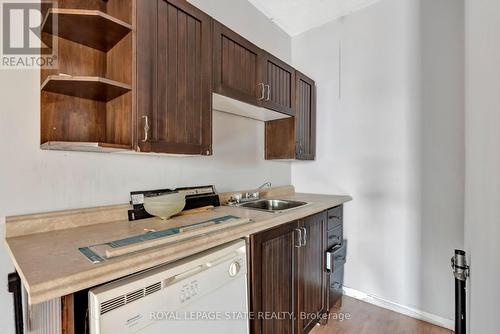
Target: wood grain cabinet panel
279, 79
273, 278
236, 66
287, 275
312, 278
295, 137
174, 78
305, 118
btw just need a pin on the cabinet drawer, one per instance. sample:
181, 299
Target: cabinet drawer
335, 217
335, 286
337, 279
336, 257
335, 236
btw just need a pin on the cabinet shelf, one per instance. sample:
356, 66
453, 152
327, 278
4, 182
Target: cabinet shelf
84, 146
92, 88
92, 28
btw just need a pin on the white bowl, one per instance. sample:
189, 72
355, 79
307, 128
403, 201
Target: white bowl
165, 206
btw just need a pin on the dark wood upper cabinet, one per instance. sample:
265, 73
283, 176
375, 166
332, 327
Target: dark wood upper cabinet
279, 80
295, 137
273, 278
141, 75
174, 61
245, 72
288, 275
312, 278
236, 71
305, 118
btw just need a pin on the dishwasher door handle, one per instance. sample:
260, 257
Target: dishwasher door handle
179, 277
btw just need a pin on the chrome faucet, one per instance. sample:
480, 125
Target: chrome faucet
247, 197
256, 194
268, 183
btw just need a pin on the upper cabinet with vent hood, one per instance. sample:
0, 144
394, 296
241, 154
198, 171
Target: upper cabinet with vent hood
249, 81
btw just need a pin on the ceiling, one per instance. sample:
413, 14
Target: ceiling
297, 16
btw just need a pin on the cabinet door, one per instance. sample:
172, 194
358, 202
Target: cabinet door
295, 137
279, 78
236, 71
312, 278
273, 278
174, 70
305, 118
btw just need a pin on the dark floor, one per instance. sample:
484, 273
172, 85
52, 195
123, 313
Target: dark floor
369, 319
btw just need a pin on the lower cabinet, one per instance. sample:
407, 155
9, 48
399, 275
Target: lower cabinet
273, 258
288, 280
312, 279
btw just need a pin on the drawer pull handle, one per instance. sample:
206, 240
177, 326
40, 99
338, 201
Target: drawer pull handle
299, 238
334, 217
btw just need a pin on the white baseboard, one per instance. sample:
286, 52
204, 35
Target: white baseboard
411, 312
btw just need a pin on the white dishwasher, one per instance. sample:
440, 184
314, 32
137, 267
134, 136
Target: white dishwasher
205, 293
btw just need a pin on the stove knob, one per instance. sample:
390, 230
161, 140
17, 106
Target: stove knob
234, 269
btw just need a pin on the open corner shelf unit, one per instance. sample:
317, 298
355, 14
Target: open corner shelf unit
93, 88
82, 146
86, 103
91, 28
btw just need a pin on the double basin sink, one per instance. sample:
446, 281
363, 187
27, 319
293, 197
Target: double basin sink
272, 205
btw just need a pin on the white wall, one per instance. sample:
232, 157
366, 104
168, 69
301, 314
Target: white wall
483, 162
32, 180
394, 141
246, 20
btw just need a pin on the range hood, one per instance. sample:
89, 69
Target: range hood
236, 107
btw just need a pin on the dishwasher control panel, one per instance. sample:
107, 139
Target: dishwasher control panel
188, 291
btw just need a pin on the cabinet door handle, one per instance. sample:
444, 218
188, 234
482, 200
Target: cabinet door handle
268, 92
262, 92
304, 236
299, 238
146, 128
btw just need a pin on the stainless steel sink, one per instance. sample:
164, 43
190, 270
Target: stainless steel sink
272, 205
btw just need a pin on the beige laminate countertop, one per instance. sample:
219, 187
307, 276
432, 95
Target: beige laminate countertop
51, 266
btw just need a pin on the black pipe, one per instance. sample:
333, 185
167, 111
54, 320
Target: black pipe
460, 307
461, 273
16, 290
